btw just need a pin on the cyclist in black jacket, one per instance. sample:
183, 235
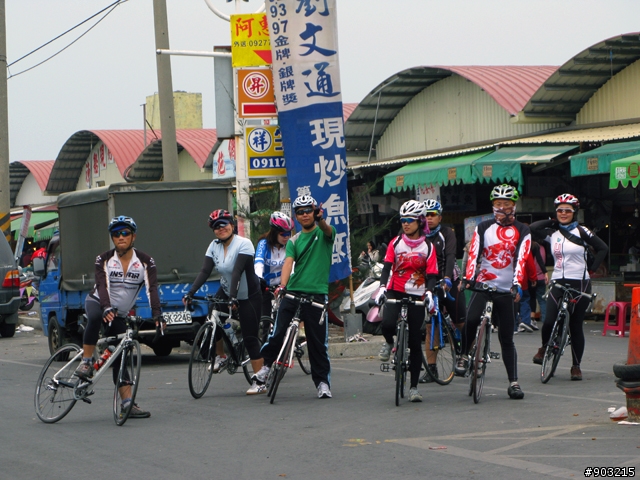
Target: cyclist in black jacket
444, 240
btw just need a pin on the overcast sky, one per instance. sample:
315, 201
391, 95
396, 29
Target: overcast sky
101, 81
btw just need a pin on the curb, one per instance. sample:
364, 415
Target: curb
355, 349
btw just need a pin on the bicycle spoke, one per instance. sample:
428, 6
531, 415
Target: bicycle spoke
201, 361
54, 395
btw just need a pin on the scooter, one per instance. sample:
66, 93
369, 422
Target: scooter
28, 293
361, 298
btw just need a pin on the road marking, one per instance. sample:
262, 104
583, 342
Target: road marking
502, 460
20, 363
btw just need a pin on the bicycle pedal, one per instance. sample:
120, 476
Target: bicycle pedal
87, 400
495, 355
385, 367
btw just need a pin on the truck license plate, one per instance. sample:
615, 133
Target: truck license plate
176, 318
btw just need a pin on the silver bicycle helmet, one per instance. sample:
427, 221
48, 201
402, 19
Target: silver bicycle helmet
412, 208
304, 201
504, 191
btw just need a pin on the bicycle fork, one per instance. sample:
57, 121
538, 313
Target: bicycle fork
291, 331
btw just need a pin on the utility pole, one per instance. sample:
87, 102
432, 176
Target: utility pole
5, 197
165, 94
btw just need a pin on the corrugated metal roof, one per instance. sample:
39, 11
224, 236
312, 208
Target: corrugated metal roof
18, 171
199, 143
347, 110
405, 160
599, 134
566, 91
510, 87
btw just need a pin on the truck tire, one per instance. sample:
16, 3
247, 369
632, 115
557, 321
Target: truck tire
626, 372
7, 330
162, 350
57, 337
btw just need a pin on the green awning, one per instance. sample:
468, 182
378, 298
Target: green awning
444, 171
599, 159
504, 165
38, 220
625, 171
45, 233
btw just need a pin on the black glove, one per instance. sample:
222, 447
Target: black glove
317, 214
263, 285
233, 303
187, 299
159, 320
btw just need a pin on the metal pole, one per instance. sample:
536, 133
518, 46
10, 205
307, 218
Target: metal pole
165, 94
5, 197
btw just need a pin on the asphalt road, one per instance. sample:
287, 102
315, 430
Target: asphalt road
557, 431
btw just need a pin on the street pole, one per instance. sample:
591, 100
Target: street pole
165, 94
5, 197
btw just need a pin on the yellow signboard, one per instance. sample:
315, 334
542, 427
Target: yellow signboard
265, 154
250, 45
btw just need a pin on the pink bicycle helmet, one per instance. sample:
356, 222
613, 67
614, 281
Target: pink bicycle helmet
568, 199
281, 222
218, 216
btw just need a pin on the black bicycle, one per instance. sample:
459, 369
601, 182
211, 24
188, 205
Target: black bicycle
203, 351
400, 363
560, 337
266, 327
284, 360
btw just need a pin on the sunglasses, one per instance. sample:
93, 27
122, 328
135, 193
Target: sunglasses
407, 220
432, 214
121, 233
285, 234
564, 210
220, 225
304, 211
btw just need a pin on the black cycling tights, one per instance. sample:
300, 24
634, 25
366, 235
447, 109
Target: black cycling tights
503, 317
576, 316
415, 320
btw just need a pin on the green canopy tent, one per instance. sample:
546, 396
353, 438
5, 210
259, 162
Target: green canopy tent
625, 171
599, 160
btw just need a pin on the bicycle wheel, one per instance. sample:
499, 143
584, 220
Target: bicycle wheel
301, 352
247, 368
201, 361
401, 373
282, 362
552, 353
266, 326
54, 397
446, 357
480, 360
128, 380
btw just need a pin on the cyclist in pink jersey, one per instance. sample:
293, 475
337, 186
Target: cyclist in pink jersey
410, 270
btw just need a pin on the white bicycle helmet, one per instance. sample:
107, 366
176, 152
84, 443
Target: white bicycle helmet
412, 208
281, 222
567, 198
504, 191
431, 205
304, 201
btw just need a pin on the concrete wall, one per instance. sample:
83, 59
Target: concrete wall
187, 106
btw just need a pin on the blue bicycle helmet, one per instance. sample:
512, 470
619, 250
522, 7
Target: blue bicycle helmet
118, 223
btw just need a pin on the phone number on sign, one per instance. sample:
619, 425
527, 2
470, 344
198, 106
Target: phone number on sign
259, 163
612, 472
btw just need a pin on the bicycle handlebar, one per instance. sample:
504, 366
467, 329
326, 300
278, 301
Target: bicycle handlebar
304, 299
568, 289
406, 301
447, 294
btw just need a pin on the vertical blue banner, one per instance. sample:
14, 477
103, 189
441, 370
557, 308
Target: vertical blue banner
306, 75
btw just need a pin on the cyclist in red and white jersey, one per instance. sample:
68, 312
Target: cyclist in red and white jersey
569, 242
412, 263
497, 256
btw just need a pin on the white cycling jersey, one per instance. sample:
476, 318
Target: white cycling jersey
569, 261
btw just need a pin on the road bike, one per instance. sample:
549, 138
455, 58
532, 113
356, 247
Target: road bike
443, 340
58, 389
284, 360
400, 363
560, 337
480, 354
203, 350
266, 327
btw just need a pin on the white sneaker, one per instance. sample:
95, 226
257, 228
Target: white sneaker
256, 388
414, 395
219, 363
262, 374
323, 390
525, 328
534, 324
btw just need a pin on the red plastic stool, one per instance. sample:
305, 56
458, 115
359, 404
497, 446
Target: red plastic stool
621, 318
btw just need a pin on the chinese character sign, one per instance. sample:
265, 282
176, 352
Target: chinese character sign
250, 45
306, 77
265, 155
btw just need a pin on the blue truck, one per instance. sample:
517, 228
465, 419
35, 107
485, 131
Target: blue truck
172, 228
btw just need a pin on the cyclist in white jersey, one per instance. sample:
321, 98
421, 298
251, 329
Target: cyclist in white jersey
120, 274
569, 242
